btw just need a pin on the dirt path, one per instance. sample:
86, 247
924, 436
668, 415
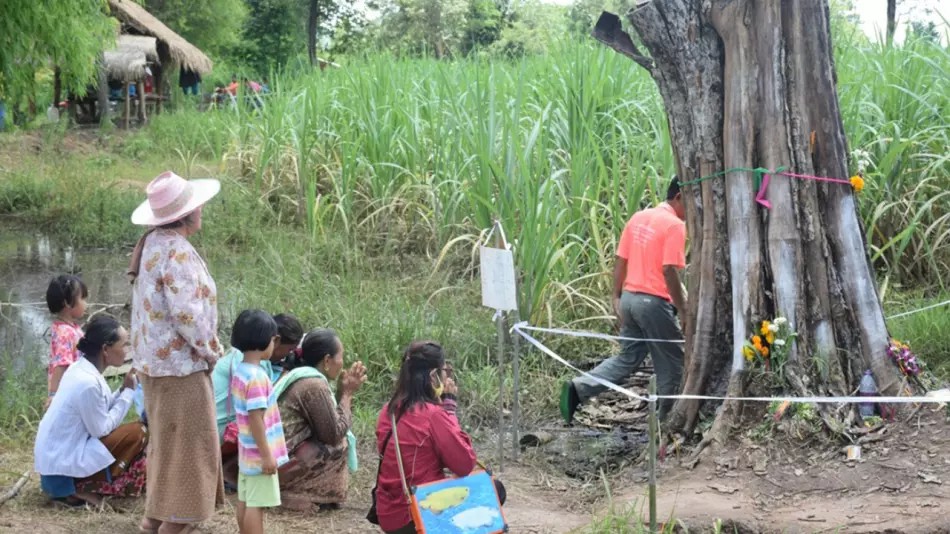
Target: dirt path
899, 486
533, 508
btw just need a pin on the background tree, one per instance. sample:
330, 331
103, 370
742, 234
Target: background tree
63, 33
531, 27
750, 84
891, 20
925, 30
483, 24
423, 26
273, 33
214, 26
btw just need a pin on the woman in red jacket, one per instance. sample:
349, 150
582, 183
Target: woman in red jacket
430, 438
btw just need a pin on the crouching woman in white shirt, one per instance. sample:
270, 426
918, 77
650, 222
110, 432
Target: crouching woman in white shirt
82, 450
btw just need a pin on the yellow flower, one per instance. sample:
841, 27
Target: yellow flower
765, 352
757, 342
765, 328
857, 182
770, 337
749, 353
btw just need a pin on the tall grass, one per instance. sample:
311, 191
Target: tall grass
423, 154
418, 155
896, 103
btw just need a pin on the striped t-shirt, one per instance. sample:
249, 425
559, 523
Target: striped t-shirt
251, 390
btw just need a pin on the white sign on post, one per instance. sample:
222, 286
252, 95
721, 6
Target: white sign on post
498, 279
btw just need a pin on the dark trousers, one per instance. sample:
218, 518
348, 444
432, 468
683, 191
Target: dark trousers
644, 317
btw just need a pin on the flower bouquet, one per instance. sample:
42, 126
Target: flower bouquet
769, 344
905, 359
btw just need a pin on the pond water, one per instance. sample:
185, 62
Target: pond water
29, 258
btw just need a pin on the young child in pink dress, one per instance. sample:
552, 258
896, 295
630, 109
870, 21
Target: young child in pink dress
66, 297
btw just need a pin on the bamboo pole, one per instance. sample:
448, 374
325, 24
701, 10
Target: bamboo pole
500, 321
142, 112
516, 387
652, 450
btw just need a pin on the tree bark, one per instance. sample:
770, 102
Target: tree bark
103, 103
751, 84
891, 21
57, 87
312, 21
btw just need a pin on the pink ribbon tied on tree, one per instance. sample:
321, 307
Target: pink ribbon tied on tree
762, 177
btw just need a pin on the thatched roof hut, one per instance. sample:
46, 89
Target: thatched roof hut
139, 43
124, 65
127, 62
184, 54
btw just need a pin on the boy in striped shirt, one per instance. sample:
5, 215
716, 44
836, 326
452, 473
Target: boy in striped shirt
261, 446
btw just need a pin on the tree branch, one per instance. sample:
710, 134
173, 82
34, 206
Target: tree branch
609, 31
15, 489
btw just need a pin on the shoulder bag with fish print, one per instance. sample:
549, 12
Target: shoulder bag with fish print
464, 505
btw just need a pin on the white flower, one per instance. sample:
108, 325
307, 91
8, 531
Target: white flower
773, 328
779, 343
780, 321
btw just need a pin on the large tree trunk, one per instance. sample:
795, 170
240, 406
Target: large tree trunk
891, 20
751, 84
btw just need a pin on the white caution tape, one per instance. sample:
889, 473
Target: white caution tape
595, 335
918, 310
540, 346
941, 397
819, 400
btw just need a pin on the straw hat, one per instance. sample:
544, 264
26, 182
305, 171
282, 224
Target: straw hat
171, 197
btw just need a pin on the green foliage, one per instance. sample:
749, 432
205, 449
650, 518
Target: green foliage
926, 31
212, 25
531, 29
35, 35
433, 27
22, 392
483, 25
273, 33
894, 105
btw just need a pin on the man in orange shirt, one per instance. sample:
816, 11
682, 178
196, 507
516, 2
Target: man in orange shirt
647, 296
233, 86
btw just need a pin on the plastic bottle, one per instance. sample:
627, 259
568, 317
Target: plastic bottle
868, 388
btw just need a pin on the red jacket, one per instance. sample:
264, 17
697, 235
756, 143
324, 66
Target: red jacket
431, 440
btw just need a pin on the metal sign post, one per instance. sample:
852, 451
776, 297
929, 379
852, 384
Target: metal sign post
499, 292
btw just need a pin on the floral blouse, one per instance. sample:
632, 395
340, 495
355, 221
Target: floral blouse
174, 309
62, 348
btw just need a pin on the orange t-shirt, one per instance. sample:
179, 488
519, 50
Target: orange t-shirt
652, 239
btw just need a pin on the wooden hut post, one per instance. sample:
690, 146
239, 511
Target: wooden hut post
128, 102
57, 87
142, 114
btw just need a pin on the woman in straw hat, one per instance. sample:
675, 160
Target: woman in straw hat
175, 346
